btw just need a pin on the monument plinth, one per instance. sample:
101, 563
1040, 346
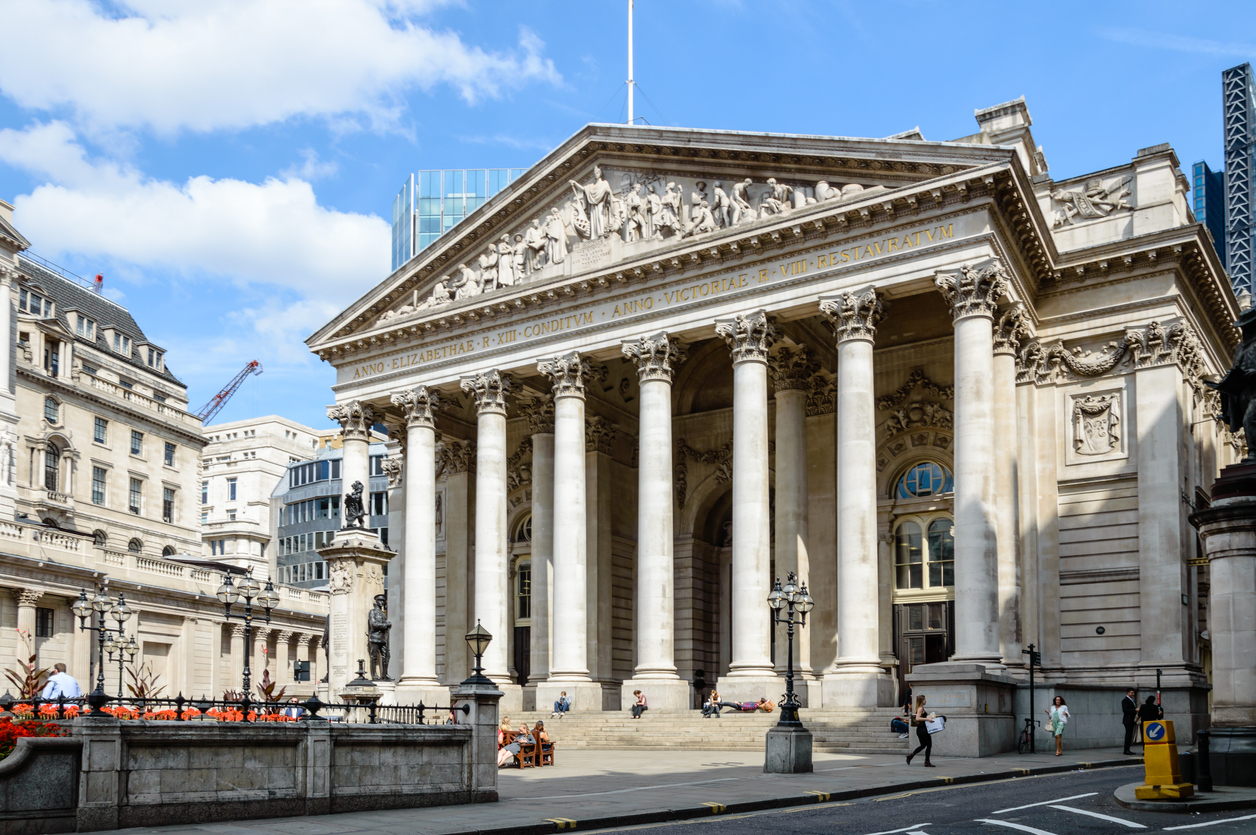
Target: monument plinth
355, 566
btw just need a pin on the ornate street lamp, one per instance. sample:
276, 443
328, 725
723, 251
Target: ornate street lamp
229, 594
478, 639
126, 648
101, 604
787, 601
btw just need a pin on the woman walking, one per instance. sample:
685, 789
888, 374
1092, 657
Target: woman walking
919, 718
1058, 716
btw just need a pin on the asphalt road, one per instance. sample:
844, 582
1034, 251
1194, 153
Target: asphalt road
1078, 803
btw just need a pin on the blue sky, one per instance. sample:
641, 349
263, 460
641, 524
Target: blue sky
229, 165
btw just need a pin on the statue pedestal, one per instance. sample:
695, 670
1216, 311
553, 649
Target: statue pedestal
355, 563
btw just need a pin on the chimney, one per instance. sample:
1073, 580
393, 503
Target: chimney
99, 284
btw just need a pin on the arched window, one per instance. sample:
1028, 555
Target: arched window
52, 410
924, 479
916, 549
135, 546
168, 551
100, 538
52, 468
523, 533
523, 591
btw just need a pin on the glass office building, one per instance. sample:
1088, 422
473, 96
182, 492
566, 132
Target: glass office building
1208, 199
431, 203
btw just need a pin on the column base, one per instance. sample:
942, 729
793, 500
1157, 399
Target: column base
585, 696
666, 694
753, 688
977, 703
862, 686
788, 751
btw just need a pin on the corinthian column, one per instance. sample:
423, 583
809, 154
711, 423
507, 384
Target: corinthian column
750, 673
655, 357
540, 415
355, 419
1012, 328
489, 388
973, 295
418, 614
857, 678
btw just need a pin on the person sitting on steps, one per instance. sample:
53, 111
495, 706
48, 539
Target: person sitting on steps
562, 705
639, 706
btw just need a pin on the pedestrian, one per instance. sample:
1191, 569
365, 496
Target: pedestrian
919, 719
1150, 711
1058, 717
1129, 718
294, 710
906, 702
639, 706
61, 683
562, 705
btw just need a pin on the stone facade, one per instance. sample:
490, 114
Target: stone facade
973, 393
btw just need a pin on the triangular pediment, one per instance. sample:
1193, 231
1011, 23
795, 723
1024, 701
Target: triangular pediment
616, 193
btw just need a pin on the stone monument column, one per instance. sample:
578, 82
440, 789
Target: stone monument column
492, 592
27, 600
857, 679
655, 675
355, 419
457, 460
418, 680
261, 659
973, 294
1012, 328
301, 652
751, 673
540, 416
237, 657
355, 564
792, 370
570, 667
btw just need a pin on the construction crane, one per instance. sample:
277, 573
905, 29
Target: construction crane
215, 404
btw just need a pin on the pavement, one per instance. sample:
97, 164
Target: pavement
590, 789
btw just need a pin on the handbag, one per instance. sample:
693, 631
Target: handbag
935, 726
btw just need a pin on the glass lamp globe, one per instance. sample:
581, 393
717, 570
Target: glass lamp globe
132, 648
805, 603
101, 602
82, 607
249, 587
777, 598
227, 593
121, 612
478, 638
270, 599
110, 646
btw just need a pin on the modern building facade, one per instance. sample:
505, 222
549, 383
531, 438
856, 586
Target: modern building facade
431, 203
1238, 94
961, 398
1208, 202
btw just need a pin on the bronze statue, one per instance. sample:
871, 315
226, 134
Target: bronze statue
1238, 387
377, 627
354, 511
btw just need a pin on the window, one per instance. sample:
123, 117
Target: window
914, 551
168, 551
125, 383
101, 435
137, 442
52, 410
379, 504
52, 357
98, 485
925, 479
90, 369
167, 504
85, 327
154, 358
34, 304
43, 623
52, 468
231, 515
169, 454
523, 592
159, 397
217, 547
100, 538
135, 500
377, 465
524, 532
231, 489
135, 546
122, 344
908, 557
204, 517
941, 553
204, 492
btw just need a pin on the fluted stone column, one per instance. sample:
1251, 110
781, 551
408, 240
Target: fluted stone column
27, 601
792, 370
393, 466
1012, 328
301, 652
857, 679
655, 675
750, 672
492, 592
973, 294
237, 657
457, 459
355, 419
260, 660
540, 415
418, 616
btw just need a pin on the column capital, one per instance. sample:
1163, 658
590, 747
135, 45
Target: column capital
303, 639
749, 336
26, 597
656, 357
455, 457
285, 635
568, 373
418, 406
392, 468
237, 631
792, 368
489, 388
539, 412
855, 314
974, 290
261, 634
355, 418
599, 435
1012, 330
8, 276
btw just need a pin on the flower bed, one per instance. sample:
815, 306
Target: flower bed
11, 732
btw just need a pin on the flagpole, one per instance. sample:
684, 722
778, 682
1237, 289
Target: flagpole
630, 117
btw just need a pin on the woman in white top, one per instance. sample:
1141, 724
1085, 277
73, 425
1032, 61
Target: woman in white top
1058, 716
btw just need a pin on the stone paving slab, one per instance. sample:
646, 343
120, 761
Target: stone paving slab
590, 789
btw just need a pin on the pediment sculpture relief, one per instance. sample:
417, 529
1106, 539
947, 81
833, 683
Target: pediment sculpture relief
1095, 199
641, 211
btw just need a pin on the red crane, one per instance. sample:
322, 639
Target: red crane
220, 399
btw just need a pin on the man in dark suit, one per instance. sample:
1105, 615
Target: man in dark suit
1129, 717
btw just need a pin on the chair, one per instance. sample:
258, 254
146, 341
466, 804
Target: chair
546, 755
527, 756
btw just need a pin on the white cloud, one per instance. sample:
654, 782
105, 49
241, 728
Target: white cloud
233, 64
1175, 42
312, 167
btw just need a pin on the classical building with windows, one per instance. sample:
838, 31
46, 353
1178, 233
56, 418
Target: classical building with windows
99, 483
963, 399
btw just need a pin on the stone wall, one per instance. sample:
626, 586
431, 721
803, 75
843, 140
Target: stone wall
39, 786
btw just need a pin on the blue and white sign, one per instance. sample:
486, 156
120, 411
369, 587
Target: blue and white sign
1154, 731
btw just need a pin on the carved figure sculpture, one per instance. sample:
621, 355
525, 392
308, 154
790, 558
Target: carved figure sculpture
354, 511
520, 259
634, 229
653, 210
1092, 200
440, 294
467, 284
377, 627
670, 213
534, 241
555, 238
488, 270
703, 220
1238, 386
722, 211
781, 193
769, 204
742, 212
824, 191
596, 199
505, 263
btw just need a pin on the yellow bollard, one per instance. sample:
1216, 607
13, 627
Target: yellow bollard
1160, 759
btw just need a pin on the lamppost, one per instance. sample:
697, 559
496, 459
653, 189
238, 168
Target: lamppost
478, 639
126, 648
791, 599
101, 604
250, 590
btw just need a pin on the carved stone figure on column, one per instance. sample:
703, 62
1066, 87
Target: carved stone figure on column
354, 510
597, 198
1238, 386
377, 627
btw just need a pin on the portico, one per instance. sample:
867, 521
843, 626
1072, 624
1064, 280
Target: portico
884, 372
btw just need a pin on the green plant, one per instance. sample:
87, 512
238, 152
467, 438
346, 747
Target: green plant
26, 677
144, 681
267, 689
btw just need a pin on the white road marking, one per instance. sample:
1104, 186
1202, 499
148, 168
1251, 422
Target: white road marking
904, 829
635, 789
1045, 803
1019, 826
1209, 823
1109, 818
